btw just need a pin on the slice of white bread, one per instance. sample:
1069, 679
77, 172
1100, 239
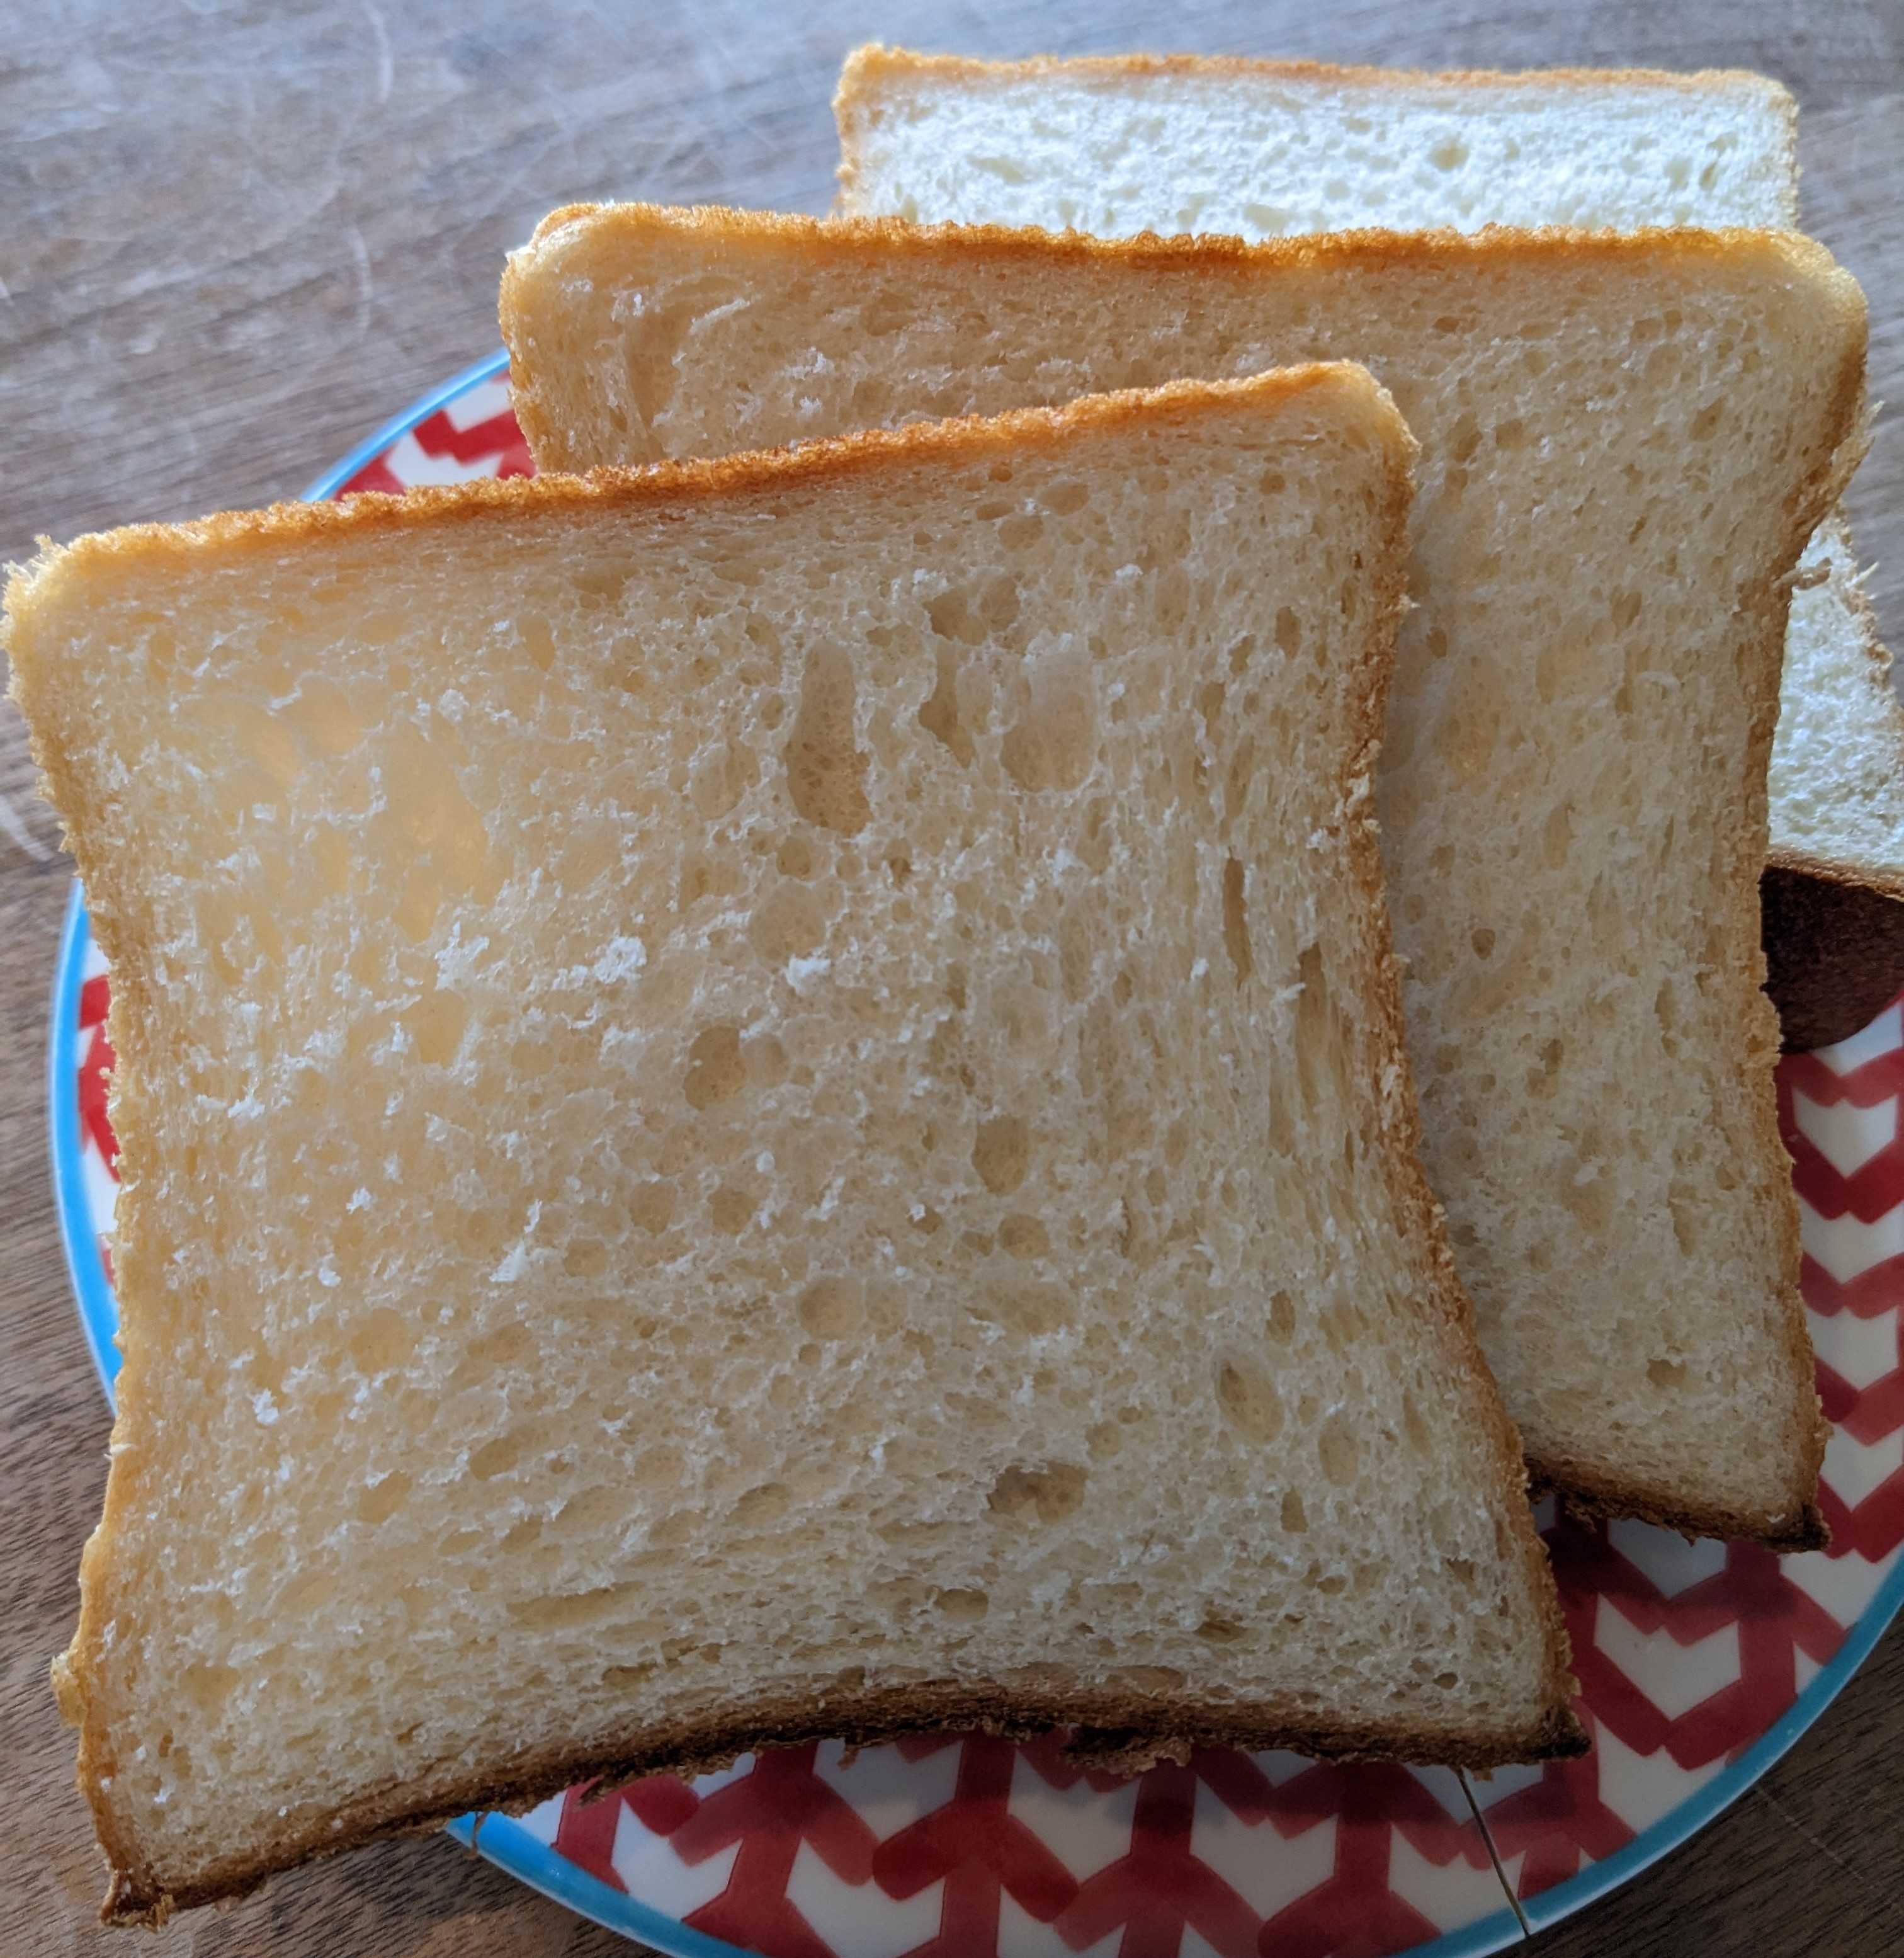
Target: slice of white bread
1271, 149
1120, 144
1625, 442
767, 1100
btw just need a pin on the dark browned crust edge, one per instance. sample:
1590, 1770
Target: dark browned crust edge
1833, 930
1114, 1729
1834, 946
1590, 1492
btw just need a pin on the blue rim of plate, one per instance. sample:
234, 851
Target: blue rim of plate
510, 1847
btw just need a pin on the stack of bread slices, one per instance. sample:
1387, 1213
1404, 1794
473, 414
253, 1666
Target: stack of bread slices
997, 1014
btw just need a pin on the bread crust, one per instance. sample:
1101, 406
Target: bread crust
1588, 1492
1120, 1732
1834, 946
873, 62
822, 240
1118, 1726
758, 472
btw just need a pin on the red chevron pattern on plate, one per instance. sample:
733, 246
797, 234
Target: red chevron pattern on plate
1698, 1662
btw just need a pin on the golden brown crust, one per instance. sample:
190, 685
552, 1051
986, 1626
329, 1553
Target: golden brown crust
1114, 1729
872, 64
717, 227
685, 484
546, 498
1496, 244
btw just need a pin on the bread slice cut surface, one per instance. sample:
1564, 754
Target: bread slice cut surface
1625, 443
1270, 149
1118, 145
762, 1101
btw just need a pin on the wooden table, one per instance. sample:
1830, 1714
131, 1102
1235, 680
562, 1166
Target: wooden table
237, 237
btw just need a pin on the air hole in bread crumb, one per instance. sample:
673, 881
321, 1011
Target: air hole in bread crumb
1556, 837
1236, 930
1279, 1323
833, 1308
1002, 1154
384, 1497
954, 617
660, 1467
766, 1503
1249, 1401
1023, 1236
939, 715
499, 1456
1482, 940
601, 586
435, 1025
1295, 1518
967, 1606
1038, 1495
730, 1208
1337, 1450
1031, 1310
715, 1071
825, 771
1420, 1441
651, 1205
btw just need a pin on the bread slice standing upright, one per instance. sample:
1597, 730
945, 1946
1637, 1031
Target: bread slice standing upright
1625, 442
1274, 149
761, 1101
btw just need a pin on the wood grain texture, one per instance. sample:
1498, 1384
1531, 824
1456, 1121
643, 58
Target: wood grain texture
239, 236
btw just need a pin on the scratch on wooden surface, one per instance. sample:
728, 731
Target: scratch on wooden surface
380, 33
1851, 1872
13, 825
366, 279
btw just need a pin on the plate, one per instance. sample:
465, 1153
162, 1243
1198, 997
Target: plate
1699, 1663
